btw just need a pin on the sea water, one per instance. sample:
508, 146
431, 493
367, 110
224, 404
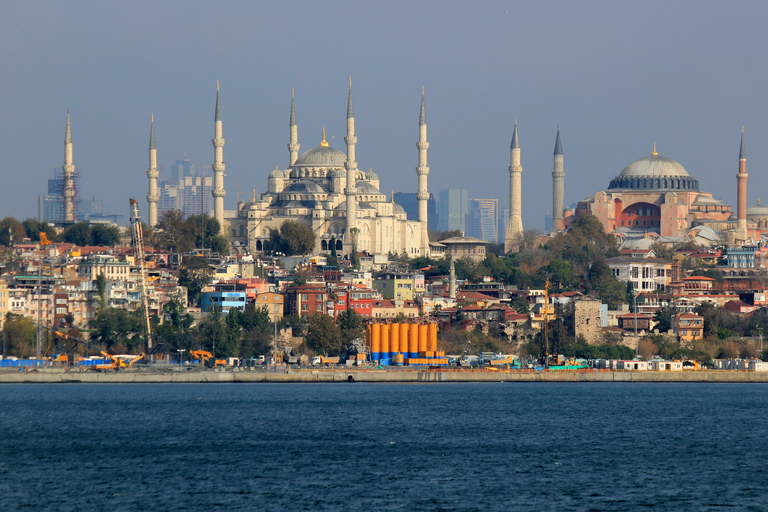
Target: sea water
355, 446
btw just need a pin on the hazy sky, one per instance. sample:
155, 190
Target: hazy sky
616, 76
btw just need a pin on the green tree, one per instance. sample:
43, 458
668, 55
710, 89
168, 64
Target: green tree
663, 318
602, 280
293, 238
213, 332
20, 336
101, 290
351, 326
11, 228
78, 233
173, 233
118, 330
323, 337
195, 273
33, 229
104, 235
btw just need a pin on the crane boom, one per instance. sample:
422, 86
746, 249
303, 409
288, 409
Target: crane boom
138, 245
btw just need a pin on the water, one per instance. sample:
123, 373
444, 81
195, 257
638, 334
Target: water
484, 447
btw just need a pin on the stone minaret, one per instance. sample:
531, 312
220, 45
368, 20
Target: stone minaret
515, 224
152, 174
351, 166
69, 176
422, 171
218, 191
741, 201
293, 144
558, 178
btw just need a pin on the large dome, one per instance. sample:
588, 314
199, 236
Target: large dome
321, 156
654, 172
654, 166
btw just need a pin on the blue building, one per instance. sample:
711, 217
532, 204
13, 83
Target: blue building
223, 301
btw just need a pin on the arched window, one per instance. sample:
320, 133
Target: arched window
339, 245
258, 245
324, 245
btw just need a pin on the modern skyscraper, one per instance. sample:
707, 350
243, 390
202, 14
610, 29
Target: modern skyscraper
410, 203
452, 209
483, 218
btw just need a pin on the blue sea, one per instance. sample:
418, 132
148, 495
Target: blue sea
355, 446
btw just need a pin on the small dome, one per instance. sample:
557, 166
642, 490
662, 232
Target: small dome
277, 174
758, 209
370, 175
305, 187
398, 209
338, 173
654, 166
321, 156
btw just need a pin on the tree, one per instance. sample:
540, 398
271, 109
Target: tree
194, 273
33, 229
173, 233
436, 236
118, 330
20, 336
323, 337
663, 318
101, 290
212, 333
104, 235
293, 238
78, 233
602, 280
11, 228
351, 326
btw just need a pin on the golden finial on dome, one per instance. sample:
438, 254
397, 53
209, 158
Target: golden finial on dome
324, 144
253, 198
393, 197
654, 149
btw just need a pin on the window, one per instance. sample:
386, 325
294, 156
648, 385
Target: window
304, 307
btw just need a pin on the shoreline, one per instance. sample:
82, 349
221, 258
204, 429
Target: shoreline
61, 376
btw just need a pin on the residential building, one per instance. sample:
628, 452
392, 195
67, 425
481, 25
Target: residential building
645, 274
400, 286
688, 326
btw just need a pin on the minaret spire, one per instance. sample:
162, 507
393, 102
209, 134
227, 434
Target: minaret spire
68, 169
218, 191
515, 223
741, 199
351, 167
152, 175
422, 172
558, 185
293, 134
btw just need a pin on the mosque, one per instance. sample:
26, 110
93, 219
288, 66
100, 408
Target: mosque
323, 189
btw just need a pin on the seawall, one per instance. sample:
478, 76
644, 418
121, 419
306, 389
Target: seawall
361, 375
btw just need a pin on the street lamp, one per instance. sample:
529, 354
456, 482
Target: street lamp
181, 354
760, 333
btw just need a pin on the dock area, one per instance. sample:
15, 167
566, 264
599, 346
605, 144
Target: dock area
60, 375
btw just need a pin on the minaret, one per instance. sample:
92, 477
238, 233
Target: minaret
351, 166
452, 281
515, 224
152, 174
293, 143
218, 191
69, 176
422, 171
558, 178
741, 201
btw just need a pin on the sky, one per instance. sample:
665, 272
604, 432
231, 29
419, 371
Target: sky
615, 76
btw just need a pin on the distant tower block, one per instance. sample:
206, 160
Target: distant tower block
69, 175
153, 196
741, 206
218, 191
422, 171
558, 183
515, 226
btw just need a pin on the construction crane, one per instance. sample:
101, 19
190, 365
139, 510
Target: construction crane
138, 245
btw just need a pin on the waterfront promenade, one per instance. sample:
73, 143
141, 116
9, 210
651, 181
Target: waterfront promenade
57, 375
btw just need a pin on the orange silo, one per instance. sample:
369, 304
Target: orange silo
413, 340
432, 344
375, 342
394, 339
404, 339
423, 335
384, 344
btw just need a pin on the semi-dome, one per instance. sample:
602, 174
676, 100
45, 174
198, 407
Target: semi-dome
321, 156
654, 166
304, 187
363, 187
